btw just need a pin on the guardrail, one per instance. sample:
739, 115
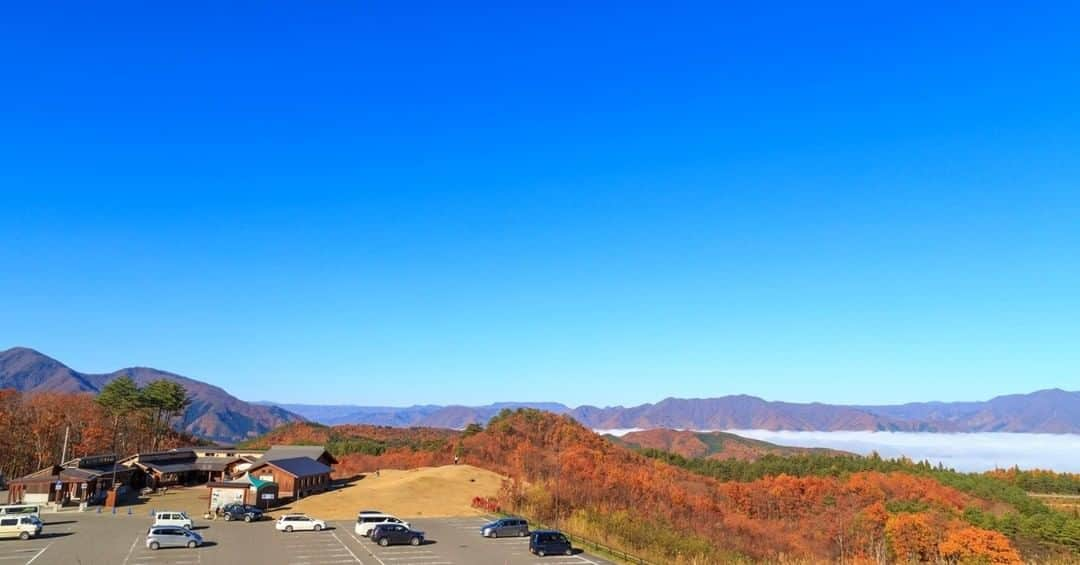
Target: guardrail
585, 543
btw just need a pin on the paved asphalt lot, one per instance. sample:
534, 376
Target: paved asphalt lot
105, 539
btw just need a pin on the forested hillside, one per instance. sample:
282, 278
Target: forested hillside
129, 419
677, 510
709, 445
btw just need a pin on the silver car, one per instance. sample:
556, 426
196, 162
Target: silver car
172, 536
517, 527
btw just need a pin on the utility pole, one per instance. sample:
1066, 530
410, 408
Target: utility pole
558, 478
63, 454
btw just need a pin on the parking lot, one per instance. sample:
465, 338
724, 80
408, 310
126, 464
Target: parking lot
106, 539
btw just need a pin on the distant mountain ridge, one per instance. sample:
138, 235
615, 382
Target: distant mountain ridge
428, 416
712, 445
1044, 411
213, 414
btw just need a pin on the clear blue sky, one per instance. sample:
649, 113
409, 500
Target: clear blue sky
586, 202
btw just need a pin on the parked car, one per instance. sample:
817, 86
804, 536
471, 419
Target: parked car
245, 512
505, 527
549, 542
388, 534
367, 520
172, 536
170, 518
295, 522
23, 527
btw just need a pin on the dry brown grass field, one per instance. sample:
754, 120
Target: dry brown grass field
429, 492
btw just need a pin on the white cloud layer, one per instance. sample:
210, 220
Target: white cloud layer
964, 452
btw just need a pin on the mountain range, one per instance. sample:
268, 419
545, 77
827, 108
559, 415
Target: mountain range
213, 414
1044, 411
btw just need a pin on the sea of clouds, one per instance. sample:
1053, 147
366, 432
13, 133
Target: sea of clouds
963, 452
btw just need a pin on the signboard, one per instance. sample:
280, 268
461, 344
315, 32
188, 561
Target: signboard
220, 497
267, 496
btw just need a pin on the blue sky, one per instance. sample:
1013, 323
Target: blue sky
605, 203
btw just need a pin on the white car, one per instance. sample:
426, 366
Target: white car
295, 522
178, 519
366, 521
22, 527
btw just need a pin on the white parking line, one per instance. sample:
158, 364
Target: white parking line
130, 551
373, 556
346, 547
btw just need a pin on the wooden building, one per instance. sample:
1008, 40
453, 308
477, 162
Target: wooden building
189, 465
296, 477
83, 479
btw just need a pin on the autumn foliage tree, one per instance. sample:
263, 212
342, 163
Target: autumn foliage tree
974, 545
36, 424
912, 538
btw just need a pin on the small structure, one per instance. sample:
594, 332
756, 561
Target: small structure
247, 490
296, 477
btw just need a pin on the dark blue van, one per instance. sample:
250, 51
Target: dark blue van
549, 542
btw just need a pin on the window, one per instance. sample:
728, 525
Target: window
9, 521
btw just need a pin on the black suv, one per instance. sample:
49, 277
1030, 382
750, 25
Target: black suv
386, 534
245, 512
549, 542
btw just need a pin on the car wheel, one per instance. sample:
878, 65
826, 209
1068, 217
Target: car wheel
154, 545
569, 551
384, 542
24, 536
494, 534
187, 526
228, 517
541, 553
191, 545
288, 529
523, 533
318, 527
415, 541
247, 518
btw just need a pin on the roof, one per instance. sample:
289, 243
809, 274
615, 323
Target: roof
297, 466
214, 464
56, 473
257, 483
229, 484
277, 452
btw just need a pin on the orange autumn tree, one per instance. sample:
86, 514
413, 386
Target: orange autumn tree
974, 545
912, 537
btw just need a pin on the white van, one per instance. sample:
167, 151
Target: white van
366, 521
22, 527
20, 510
178, 519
